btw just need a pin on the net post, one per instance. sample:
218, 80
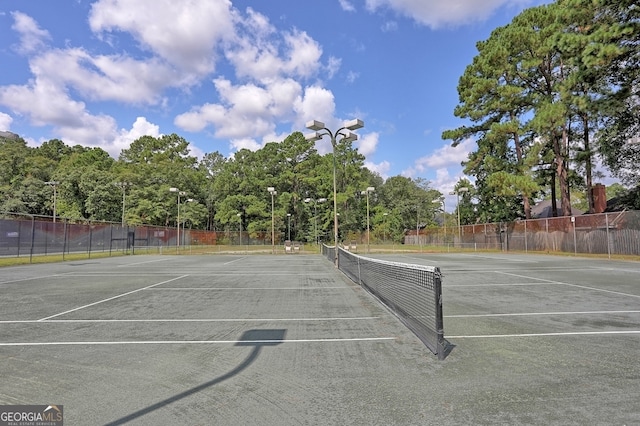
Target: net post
441, 344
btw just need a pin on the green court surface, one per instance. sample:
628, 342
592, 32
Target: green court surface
289, 340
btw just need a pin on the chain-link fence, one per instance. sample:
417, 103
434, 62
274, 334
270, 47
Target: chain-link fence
615, 233
28, 235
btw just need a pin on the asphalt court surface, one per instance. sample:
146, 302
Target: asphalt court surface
289, 340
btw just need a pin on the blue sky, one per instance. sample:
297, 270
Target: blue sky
237, 74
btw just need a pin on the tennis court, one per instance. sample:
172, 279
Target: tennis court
288, 340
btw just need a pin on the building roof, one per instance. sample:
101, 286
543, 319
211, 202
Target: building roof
543, 210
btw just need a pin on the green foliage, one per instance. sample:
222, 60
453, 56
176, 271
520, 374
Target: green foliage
539, 95
216, 193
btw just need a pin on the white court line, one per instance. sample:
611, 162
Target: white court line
572, 285
576, 333
202, 342
497, 285
61, 321
233, 261
206, 273
141, 263
251, 288
541, 269
499, 258
541, 313
32, 278
112, 298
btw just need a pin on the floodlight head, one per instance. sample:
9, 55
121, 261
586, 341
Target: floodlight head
271, 189
315, 125
354, 124
463, 189
312, 137
174, 190
350, 137
321, 200
307, 200
371, 189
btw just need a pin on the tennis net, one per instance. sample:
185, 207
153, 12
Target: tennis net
412, 292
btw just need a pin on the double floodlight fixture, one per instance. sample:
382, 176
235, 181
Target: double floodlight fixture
347, 136
368, 190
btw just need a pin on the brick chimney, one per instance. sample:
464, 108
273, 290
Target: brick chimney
599, 192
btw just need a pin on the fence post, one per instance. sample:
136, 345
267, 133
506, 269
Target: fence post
575, 246
64, 244
33, 233
606, 218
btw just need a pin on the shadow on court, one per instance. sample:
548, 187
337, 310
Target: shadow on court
256, 338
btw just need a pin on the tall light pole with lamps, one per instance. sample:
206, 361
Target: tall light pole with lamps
123, 185
457, 194
54, 184
315, 213
385, 227
240, 220
289, 226
444, 216
273, 193
346, 136
366, 192
180, 193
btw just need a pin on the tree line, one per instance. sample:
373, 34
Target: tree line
547, 97
215, 193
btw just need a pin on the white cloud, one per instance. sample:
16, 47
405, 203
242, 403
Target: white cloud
141, 127
439, 13
185, 35
445, 156
381, 168
347, 6
102, 77
368, 143
263, 57
333, 66
5, 121
316, 104
352, 76
247, 143
179, 47
32, 37
389, 26
246, 110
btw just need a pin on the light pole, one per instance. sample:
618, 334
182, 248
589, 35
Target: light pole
444, 216
366, 192
289, 226
418, 227
319, 132
385, 227
178, 220
273, 193
240, 220
55, 184
123, 185
457, 194
315, 213
184, 221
